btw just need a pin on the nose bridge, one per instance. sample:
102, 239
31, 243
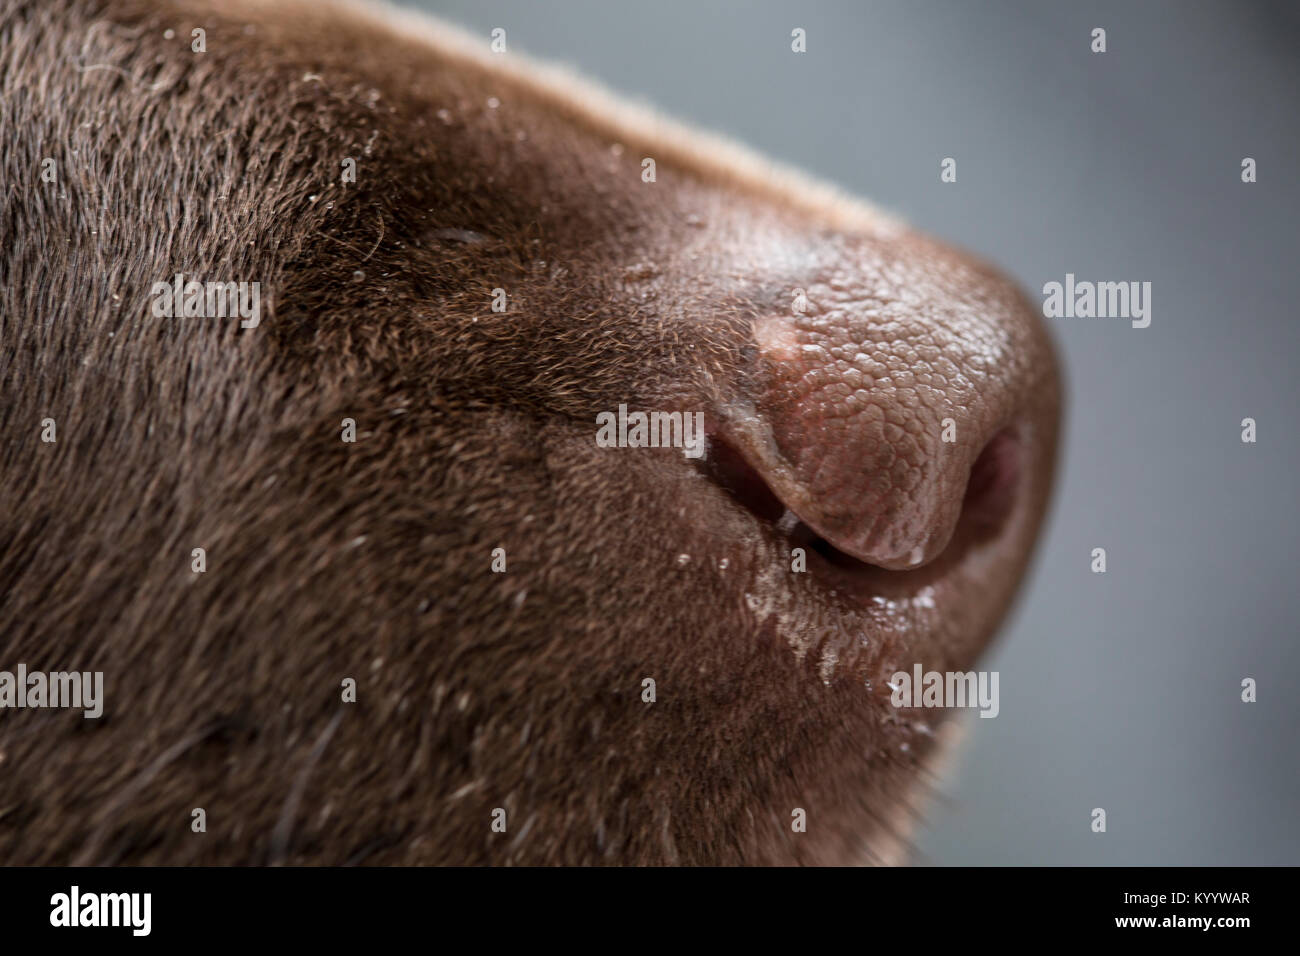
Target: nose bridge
880, 396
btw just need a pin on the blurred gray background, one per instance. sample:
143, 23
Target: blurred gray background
1119, 690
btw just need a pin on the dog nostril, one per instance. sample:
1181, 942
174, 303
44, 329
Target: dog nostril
991, 488
728, 468
990, 495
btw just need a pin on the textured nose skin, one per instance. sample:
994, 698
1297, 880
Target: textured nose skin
879, 398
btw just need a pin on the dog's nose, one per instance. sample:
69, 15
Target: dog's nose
912, 391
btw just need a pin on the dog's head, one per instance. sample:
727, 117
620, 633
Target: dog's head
662, 463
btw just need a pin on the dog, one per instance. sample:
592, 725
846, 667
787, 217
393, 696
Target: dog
545, 482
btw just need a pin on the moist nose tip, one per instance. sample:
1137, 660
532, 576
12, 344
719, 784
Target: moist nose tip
962, 492
889, 481
904, 417
877, 492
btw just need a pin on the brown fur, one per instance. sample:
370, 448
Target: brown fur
329, 560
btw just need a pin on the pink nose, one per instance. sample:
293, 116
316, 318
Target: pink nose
903, 398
